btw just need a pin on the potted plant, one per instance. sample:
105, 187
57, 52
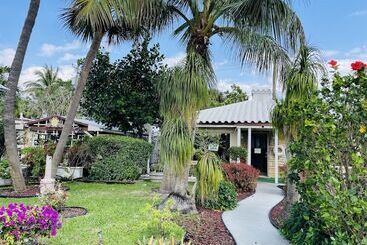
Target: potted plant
4, 173
73, 165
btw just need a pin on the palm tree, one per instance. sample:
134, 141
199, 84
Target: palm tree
47, 80
92, 20
299, 85
257, 32
10, 97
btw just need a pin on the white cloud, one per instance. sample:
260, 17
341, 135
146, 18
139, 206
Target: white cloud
6, 56
359, 13
69, 57
51, 49
174, 60
330, 53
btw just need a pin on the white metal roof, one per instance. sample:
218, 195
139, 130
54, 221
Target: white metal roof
255, 110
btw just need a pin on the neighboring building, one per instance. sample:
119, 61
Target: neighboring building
248, 124
35, 132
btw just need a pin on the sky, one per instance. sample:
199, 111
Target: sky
336, 27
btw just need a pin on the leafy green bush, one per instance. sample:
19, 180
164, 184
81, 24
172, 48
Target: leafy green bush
161, 223
329, 162
35, 158
4, 169
237, 152
161, 241
227, 197
117, 158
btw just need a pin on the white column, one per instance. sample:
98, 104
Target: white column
276, 143
238, 141
150, 141
249, 139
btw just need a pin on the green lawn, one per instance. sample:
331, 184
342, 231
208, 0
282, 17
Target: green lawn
115, 210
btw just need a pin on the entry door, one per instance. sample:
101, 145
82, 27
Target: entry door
259, 149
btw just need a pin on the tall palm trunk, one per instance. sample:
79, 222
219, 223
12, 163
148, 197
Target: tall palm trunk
73, 108
175, 182
10, 97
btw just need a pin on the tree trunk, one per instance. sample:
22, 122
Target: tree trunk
10, 97
73, 108
175, 183
292, 195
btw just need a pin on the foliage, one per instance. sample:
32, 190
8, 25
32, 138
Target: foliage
161, 241
21, 224
35, 158
117, 157
3, 73
161, 223
237, 152
226, 199
124, 94
48, 95
218, 98
209, 175
56, 199
242, 176
4, 169
329, 160
301, 219
204, 138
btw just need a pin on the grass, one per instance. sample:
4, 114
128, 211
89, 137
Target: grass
114, 210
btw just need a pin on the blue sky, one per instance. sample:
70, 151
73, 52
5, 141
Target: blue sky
336, 27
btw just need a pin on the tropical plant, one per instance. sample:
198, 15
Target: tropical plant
299, 85
209, 175
55, 199
253, 34
116, 94
234, 95
48, 95
92, 20
35, 159
4, 169
329, 162
10, 98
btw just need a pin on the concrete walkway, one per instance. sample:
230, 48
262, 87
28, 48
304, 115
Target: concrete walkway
249, 222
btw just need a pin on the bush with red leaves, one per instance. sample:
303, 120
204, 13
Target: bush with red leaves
242, 176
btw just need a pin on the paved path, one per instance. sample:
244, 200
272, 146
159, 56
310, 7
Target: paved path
249, 222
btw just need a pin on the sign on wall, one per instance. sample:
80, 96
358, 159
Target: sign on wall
213, 147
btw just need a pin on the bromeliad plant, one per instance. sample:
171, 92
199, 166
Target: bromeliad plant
329, 162
21, 224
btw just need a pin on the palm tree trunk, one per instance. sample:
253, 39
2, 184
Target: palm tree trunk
175, 182
10, 97
73, 108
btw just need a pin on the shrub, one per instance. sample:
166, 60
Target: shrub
4, 169
161, 223
116, 157
56, 199
35, 158
227, 197
237, 152
20, 224
242, 176
114, 168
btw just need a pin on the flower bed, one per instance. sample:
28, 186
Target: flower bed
21, 224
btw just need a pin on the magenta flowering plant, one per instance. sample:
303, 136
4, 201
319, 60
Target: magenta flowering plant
22, 224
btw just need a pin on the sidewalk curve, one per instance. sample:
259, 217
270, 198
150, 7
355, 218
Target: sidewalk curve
249, 223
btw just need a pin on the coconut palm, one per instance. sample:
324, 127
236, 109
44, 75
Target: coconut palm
10, 97
47, 80
257, 32
299, 85
91, 20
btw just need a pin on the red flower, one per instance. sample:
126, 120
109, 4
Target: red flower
358, 65
333, 63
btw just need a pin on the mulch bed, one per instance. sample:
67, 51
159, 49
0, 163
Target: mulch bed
278, 214
31, 191
208, 228
71, 212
